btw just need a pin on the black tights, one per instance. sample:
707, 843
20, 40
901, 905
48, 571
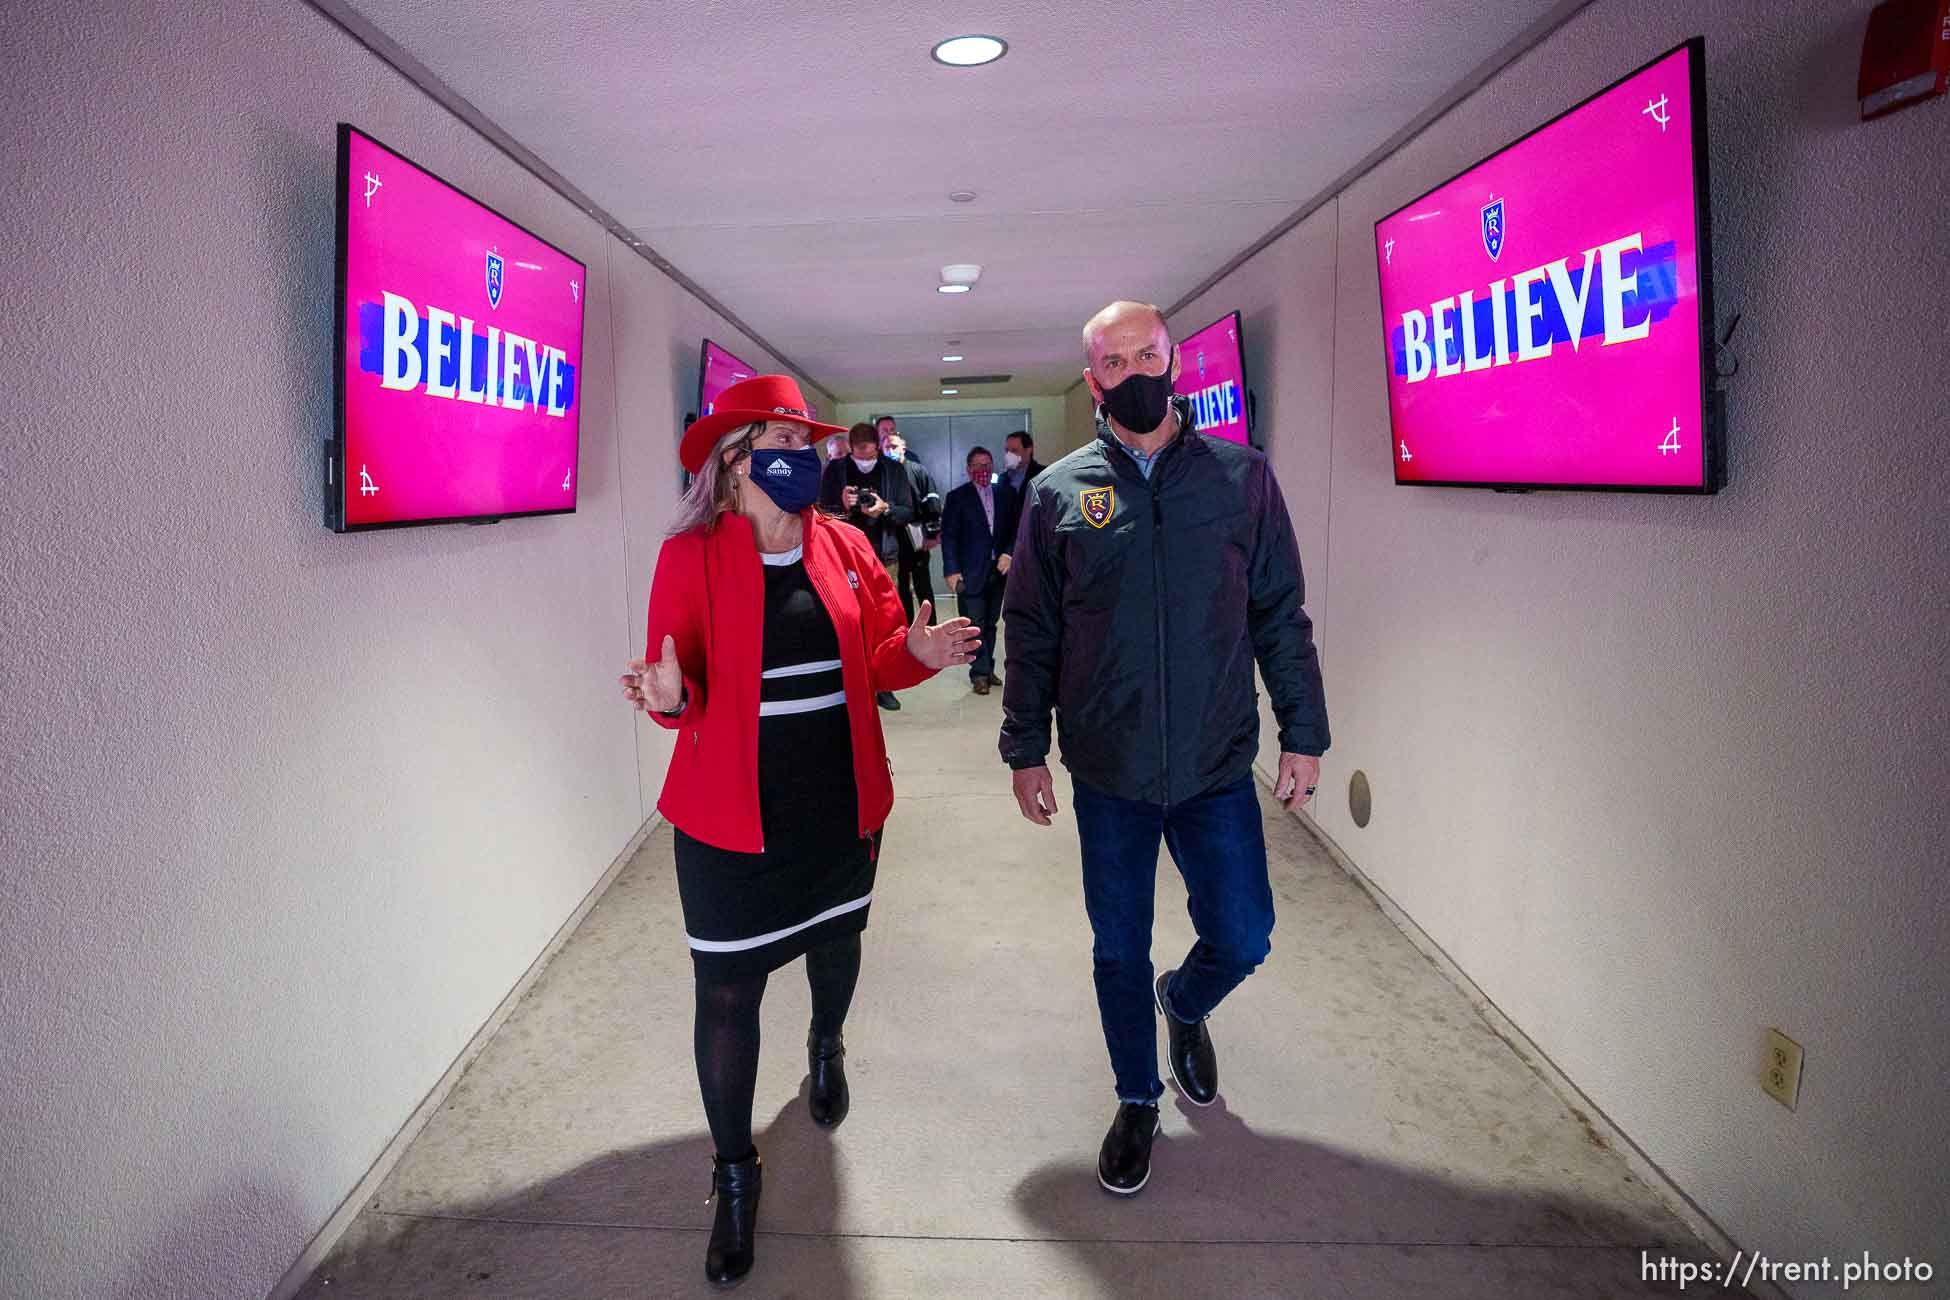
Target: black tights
726, 1036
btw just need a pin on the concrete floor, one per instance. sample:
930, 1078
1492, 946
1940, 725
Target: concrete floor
1373, 1137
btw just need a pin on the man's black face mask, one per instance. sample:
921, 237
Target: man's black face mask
1140, 402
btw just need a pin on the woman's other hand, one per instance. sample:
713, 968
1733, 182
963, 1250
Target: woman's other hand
951, 643
656, 687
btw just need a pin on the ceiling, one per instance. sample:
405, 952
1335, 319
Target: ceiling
794, 157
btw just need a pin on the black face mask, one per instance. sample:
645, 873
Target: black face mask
1140, 402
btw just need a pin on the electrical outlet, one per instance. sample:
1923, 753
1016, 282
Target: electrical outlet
1780, 1073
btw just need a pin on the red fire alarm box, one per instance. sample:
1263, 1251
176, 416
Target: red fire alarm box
1905, 55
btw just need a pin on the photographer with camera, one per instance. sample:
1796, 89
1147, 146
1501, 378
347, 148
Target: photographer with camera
875, 495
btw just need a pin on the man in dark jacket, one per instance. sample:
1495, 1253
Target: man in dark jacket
876, 496
1020, 467
923, 535
1153, 568
977, 532
1018, 470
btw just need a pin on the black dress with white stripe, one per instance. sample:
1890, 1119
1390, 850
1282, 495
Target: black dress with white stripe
748, 913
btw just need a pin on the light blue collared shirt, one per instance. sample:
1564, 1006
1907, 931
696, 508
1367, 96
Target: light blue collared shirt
1143, 461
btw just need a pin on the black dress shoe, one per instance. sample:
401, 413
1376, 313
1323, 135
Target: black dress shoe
1194, 1065
825, 1061
886, 700
736, 1184
1124, 1163
994, 680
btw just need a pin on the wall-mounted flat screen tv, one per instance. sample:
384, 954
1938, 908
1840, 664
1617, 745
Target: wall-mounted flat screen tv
1547, 315
1212, 372
717, 371
457, 357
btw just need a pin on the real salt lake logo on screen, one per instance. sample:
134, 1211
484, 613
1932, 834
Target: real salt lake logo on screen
496, 274
1493, 228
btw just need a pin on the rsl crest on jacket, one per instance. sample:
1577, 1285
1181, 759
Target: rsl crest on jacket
1098, 505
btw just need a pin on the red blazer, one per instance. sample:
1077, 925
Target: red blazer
709, 594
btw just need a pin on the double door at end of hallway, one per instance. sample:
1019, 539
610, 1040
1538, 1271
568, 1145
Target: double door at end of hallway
942, 443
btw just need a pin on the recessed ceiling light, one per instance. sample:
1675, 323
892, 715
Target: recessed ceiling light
961, 196
969, 51
951, 356
949, 392
953, 288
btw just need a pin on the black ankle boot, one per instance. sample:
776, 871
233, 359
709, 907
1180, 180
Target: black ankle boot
736, 1184
1124, 1161
825, 1061
1194, 1064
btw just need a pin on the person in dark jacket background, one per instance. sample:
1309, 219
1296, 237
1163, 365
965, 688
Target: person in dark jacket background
924, 533
1020, 467
1152, 569
875, 495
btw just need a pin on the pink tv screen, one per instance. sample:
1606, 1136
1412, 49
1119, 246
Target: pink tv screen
459, 354
1546, 315
718, 371
1212, 372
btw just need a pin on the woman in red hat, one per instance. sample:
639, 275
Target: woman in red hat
771, 629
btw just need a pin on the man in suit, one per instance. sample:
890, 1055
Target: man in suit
978, 530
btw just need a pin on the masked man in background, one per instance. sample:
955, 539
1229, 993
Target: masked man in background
978, 530
922, 535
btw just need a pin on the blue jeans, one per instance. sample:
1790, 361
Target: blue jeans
1219, 844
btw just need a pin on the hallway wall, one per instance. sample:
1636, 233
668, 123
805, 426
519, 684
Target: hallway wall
1289, 350
286, 815
1659, 773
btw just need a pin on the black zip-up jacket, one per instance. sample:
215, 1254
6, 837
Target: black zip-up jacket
890, 481
928, 501
1136, 609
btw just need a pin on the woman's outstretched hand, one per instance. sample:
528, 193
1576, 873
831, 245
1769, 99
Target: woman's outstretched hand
656, 687
953, 642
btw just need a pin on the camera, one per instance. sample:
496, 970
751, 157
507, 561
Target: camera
868, 498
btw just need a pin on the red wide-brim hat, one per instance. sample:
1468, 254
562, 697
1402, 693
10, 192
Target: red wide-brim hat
751, 401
